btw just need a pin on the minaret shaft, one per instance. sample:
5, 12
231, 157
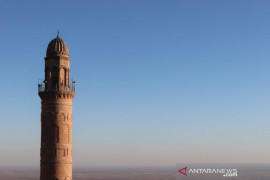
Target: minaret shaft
56, 114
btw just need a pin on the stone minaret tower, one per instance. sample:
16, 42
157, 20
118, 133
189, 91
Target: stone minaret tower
56, 94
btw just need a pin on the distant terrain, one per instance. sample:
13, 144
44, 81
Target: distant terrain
244, 173
97, 175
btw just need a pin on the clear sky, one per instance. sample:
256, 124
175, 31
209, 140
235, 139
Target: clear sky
159, 82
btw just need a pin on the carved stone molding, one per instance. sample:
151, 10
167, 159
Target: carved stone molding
56, 95
44, 163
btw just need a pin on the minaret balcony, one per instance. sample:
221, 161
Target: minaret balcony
43, 87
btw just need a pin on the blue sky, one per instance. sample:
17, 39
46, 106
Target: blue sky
159, 82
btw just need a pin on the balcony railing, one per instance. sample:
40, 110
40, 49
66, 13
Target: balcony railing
42, 87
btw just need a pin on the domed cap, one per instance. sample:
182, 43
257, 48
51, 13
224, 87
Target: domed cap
57, 47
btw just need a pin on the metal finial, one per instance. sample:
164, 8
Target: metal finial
58, 34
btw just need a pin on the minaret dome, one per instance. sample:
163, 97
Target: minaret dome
57, 47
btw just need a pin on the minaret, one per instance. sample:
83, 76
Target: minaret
56, 94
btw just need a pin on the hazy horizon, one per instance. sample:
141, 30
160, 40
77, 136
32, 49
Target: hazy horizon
245, 172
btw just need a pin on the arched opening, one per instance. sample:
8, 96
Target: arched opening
55, 78
62, 77
65, 79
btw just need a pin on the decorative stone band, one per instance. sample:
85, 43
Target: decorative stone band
57, 56
56, 95
53, 150
55, 162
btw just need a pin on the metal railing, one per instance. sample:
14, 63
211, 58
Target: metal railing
42, 87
